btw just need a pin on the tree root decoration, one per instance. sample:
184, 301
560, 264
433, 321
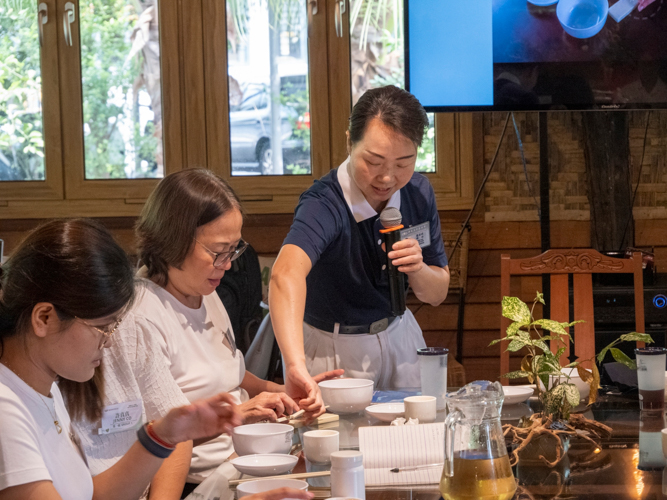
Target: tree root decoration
539, 424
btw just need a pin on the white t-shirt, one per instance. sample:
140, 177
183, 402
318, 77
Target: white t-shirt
30, 447
136, 381
192, 342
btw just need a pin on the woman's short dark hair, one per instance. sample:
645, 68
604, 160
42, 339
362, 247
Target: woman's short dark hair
181, 202
78, 267
397, 108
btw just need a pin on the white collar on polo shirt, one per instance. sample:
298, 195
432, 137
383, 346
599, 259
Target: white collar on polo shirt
355, 199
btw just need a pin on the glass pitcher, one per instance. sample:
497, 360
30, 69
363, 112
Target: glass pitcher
476, 462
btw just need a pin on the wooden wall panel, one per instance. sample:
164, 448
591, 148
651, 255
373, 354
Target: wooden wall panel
482, 309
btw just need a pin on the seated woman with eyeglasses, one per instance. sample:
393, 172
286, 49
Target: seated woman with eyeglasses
63, 293
177, 342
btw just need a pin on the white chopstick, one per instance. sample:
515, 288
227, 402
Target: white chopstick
294, 415
405, 469
302, 475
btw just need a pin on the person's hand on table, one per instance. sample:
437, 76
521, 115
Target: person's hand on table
203, 418
281, 493
267, 406
406, 255
643, 4
303, 388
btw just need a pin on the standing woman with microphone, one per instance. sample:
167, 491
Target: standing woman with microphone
329, 297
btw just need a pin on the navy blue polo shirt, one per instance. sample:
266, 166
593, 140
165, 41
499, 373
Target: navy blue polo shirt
347, 283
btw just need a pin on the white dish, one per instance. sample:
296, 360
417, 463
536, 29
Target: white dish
516, 394
515, 412
263, 485
256, 439
543, 3
347, 395
270, 464
386, 412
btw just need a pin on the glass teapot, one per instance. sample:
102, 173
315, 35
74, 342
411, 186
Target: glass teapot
476, 462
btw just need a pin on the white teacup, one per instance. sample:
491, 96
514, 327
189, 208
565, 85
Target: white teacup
421, 407
319, 445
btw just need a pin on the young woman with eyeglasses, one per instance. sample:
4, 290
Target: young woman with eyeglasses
63, 295
177, 342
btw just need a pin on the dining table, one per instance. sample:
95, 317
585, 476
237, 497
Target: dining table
629, 464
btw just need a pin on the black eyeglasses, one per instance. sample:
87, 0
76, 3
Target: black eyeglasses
221, 258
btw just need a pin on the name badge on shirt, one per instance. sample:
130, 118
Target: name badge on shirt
121, 417
420, 232
232, 342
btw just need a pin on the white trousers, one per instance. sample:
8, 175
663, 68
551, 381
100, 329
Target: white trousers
389, 358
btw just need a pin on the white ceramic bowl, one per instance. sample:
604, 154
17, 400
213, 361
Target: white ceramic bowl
347, 395
386, 412
255, 439
263, 485
582, 18
516, 394
270, 464
584, 388
542, 3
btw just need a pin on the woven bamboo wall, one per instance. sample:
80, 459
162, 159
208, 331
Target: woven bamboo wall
512, 194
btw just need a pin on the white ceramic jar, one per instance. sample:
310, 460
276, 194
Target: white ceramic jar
347, 474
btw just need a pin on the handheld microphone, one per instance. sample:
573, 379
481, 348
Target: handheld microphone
391, 218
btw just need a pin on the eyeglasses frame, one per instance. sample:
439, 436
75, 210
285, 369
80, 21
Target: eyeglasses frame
106, 336
221, 258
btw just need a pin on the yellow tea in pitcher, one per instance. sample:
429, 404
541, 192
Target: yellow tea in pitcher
478, 477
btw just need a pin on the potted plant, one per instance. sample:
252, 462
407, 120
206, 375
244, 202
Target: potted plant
554, 386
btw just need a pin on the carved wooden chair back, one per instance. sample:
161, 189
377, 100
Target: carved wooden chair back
581, 263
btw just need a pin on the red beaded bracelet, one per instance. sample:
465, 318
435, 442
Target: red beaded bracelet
151, 433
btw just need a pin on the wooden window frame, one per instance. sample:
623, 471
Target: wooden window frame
66, 192
453, 180
329, 71
193, 57
51, 188
77, 186
264, 194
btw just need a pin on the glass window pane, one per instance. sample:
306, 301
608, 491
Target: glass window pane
120, 69
376, 55
21, 138
269, 109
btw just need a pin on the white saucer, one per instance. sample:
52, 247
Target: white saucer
386, 412
269, 464
515, 412
516, 394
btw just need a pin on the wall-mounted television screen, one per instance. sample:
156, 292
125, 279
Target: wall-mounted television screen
480, 55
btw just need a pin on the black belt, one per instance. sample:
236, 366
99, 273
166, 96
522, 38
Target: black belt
372, 328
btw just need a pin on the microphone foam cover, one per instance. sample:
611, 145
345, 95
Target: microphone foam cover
390, 217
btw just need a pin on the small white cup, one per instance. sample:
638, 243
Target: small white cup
421, 407
319, 445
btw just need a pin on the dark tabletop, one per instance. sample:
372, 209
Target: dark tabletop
610, 471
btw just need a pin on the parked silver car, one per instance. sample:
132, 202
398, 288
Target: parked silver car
250, 128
